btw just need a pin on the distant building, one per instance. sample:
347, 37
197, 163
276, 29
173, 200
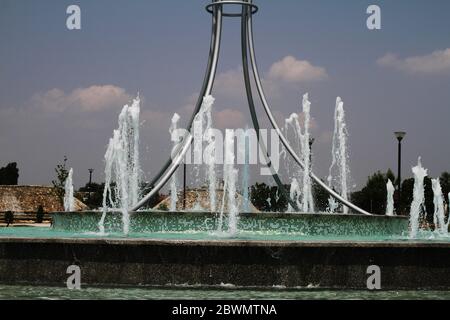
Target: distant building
27, 199
198, 199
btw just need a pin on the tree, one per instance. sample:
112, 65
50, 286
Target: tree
408, 196
9, 175
94, 199
445, 184
321, 197
268, 198
61, 175
373, 196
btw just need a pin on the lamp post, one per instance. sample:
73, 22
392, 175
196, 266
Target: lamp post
90, 182
400, 135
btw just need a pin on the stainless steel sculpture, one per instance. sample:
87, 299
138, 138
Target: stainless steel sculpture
248, 8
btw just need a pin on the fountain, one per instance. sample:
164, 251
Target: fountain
122, 166
210, 152
204, 140
418, 205
293, 249
173, 183
69, 201
390, 198
245, 154
303, 137
439, 210
229, 190
294, 193
339, 156
121, 196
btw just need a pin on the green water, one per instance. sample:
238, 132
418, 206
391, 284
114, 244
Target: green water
45, 233
58, 293
331, 225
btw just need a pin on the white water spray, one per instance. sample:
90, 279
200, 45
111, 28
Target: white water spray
303, 137
390, 198
418, 204
339, 156
69, 200
122, 165
294, 194
210, 152
204, 152
439, 209
229, 191
174, 180
245, 154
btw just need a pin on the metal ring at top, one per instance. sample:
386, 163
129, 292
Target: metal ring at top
210, 6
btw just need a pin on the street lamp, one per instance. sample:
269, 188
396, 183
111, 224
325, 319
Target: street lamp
400, 135
90, 182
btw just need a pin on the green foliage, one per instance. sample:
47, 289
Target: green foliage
61, 175
94, 197
445, 183
40, 215
320, 198
408, 194
260, 193
9, 175
373, 196
163, 207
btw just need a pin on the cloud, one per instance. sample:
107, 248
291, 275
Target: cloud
230, 83
437, 62
229, 119
289, 69
92, 99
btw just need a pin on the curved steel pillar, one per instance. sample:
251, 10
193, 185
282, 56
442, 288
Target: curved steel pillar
248, 8
283, 139
172, 165
251, 105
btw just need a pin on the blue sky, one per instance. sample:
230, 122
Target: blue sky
61, 90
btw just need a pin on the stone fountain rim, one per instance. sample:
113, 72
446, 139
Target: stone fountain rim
231, 242
254, 215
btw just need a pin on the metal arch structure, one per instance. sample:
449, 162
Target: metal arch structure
248, 55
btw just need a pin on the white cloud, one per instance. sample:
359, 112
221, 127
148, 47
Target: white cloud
230, 83
437, 62
289, 69
93, 99
229, 119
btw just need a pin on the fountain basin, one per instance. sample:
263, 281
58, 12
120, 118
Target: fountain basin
327, 225
231, 263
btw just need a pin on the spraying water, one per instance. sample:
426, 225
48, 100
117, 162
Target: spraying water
210, 152
390, 198
303, 138
339, 155
122, 165
418, 204
439, 210
69, 200
203, 137
294, 194
174, 182
245, 206
229, 191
